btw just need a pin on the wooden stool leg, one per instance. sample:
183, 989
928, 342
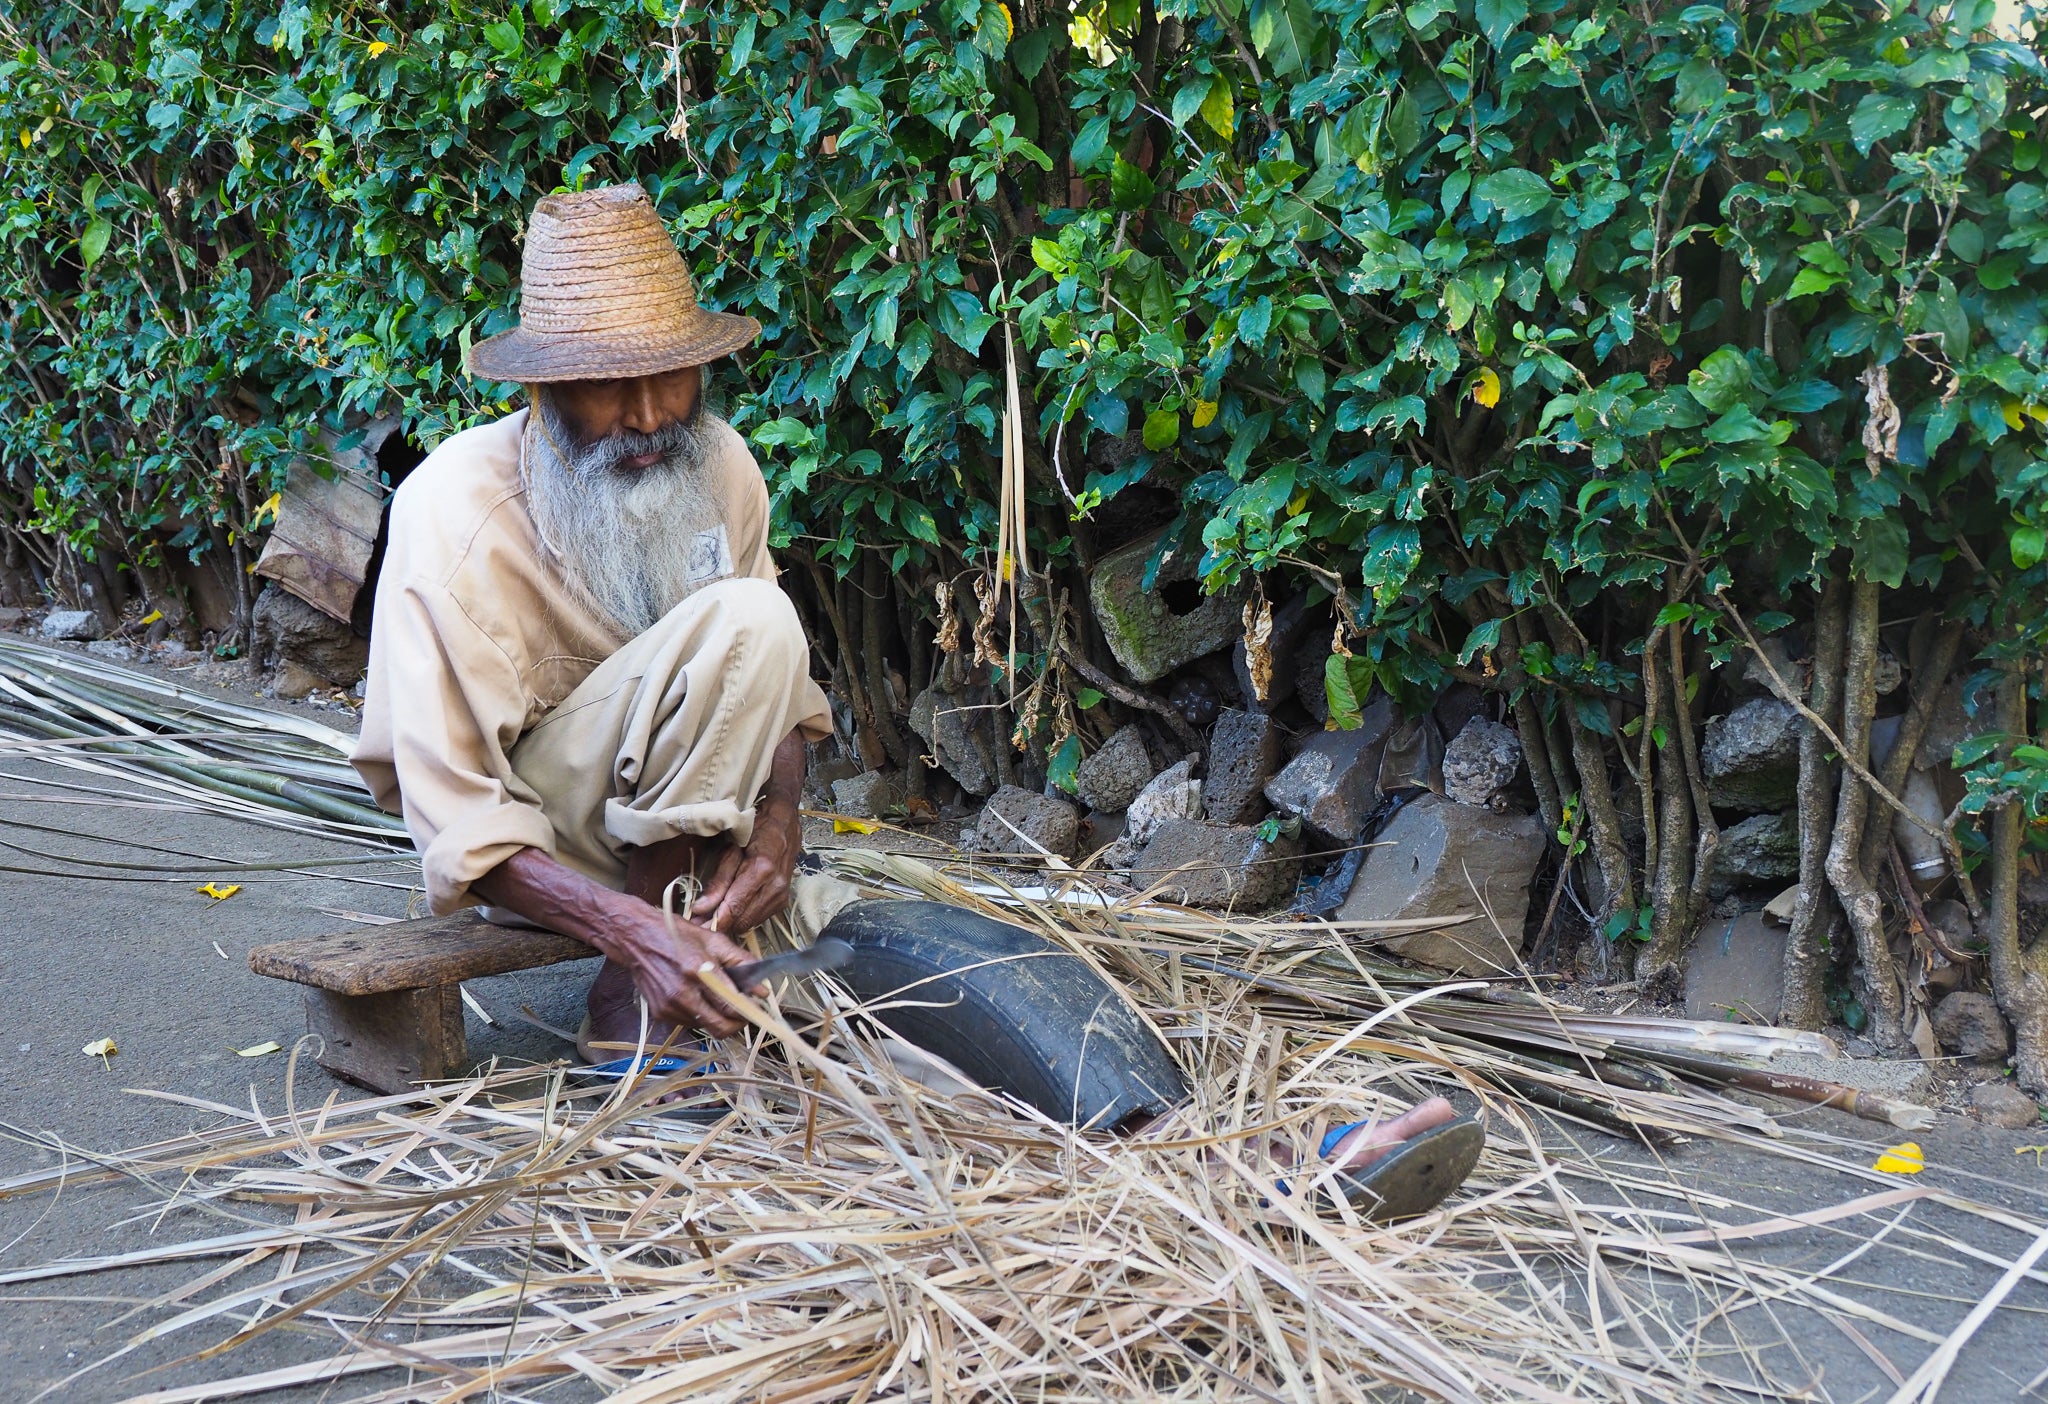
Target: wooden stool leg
389, 1042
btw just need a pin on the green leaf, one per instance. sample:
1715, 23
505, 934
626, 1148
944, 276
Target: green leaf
1876, 118
93, 242
1188, 101
1162, 429
1498, 18
1063, 766
1090, 144
2027, 544
1811, 281
1881, 550
1700, 84
1031, 50
1404, 124
1341, 692
1516, 193
1483, 639
1285, 34
1129, 187
1722, 381
1086, 698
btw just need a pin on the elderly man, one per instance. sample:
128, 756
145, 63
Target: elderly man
584, 680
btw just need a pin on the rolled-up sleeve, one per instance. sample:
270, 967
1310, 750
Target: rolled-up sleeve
452, 707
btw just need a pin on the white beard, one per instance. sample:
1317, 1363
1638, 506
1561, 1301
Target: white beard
632, 539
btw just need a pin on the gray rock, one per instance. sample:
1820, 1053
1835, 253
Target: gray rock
294, 683
1113, 776
1970, 1026
1437, 858
1223, 866
822, 775
1751, 756
1173, 793
1481, 761
1309, 663
1954, 722
1244, 753
1049, 823
958, 745
1952, 919
2003, 1104
288, 630
11, 617
1762, 850
1121, 856
1887, 675
1333, 782
1736, 966
868, 795
1154, 631
72, 624
108, 648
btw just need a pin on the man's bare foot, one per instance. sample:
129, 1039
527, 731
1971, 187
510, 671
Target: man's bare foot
1371, 1142
614, 1008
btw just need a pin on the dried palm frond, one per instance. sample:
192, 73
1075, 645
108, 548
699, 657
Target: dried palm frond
841, 1233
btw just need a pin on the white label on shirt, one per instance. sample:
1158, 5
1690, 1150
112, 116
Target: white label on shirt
710, 556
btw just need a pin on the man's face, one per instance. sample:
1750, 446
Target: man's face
594, 410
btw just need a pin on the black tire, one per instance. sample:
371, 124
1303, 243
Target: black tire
1009, 1009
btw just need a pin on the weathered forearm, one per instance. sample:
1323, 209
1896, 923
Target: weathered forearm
549, 893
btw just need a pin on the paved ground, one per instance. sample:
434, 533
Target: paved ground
162, 970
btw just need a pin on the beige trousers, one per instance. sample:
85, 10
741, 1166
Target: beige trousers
673, 734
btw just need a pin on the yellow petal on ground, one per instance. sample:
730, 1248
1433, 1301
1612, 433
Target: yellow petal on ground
102, 1049
217, 892
258, 1050
854, 826
151, 617
1486, 389
1204, 414
1902, 1159
377, 46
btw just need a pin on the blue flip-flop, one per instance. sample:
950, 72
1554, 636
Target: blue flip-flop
1414, 1177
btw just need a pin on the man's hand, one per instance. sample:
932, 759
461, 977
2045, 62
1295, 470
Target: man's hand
665, 967
749, 885
633, 933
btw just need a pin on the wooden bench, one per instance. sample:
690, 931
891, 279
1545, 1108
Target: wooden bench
387, 1000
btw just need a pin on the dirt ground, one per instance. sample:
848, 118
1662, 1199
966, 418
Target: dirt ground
162, 970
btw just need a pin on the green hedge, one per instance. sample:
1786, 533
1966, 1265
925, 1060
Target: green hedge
1523, 326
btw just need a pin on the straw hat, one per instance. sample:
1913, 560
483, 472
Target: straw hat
604, 295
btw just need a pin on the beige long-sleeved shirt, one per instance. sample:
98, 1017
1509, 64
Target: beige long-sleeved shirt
477, 636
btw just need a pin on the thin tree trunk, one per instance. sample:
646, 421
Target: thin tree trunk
874, 653
1928, 682
1707, 833
2019, 978
1806, 951
873, 755
1884, 1004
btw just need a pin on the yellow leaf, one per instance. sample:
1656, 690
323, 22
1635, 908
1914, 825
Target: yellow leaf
152, 616
1204, 414
1902, 1159
268, 509
1297, 502
102, 1049
257, 1050
2036, 412
854, 826
1219, 110
27, 136
377, 46
1486, 389
2011, 410
1009, 24
217, 892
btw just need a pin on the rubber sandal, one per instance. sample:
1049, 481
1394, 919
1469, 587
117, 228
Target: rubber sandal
1415, 1176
